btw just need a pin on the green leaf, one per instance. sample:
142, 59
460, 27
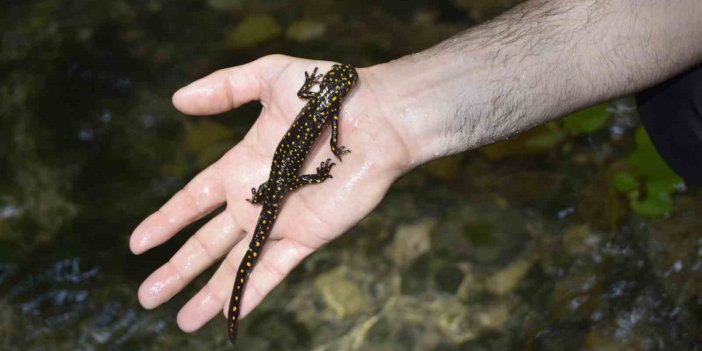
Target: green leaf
663, 186
587, 121
642, 139
653, 206
648, 168
625, 182
646, 161
659, 198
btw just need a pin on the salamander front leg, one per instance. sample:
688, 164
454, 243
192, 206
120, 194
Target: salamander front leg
305, 91
258, 195
335, 148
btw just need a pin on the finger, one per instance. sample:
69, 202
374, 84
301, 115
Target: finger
212, 241
214, 296
225, 89
209, 300
276, 262
202, 195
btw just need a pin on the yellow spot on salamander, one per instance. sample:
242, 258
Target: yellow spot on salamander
248, 264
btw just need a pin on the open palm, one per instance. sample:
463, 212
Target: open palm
311, 216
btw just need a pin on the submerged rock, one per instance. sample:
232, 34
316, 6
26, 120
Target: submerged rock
422, 323
306, 30
253, 30
412, 241
341, 294
506, 280
578, 239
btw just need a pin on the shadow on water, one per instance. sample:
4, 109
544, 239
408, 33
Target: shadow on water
555, 240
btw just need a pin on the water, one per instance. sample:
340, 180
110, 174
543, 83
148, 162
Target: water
492, 250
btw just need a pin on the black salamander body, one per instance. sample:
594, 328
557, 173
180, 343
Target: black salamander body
321, 110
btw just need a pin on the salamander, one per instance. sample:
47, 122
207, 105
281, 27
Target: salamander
321, 110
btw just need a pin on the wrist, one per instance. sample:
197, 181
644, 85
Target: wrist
420, 96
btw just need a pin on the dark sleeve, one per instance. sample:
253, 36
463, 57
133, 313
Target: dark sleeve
671, 112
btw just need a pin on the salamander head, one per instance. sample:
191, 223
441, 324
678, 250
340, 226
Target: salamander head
341, 78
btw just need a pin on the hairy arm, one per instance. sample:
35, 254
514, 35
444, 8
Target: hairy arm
540, 60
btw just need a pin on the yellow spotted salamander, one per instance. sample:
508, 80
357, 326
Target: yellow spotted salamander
322, 109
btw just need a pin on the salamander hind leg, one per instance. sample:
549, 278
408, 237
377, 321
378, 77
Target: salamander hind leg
323, 173
334, 142
305, 91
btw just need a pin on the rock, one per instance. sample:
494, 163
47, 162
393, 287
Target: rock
412, 241
579, 240
306, 30
341, 294
493, 317
504, 281
454, 322
574, 296
471, 285
253, 30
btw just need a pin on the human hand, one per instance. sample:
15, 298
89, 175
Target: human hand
311, 216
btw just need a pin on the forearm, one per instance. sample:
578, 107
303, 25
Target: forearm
538, 61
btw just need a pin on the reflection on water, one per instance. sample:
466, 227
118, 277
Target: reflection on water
555, 240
